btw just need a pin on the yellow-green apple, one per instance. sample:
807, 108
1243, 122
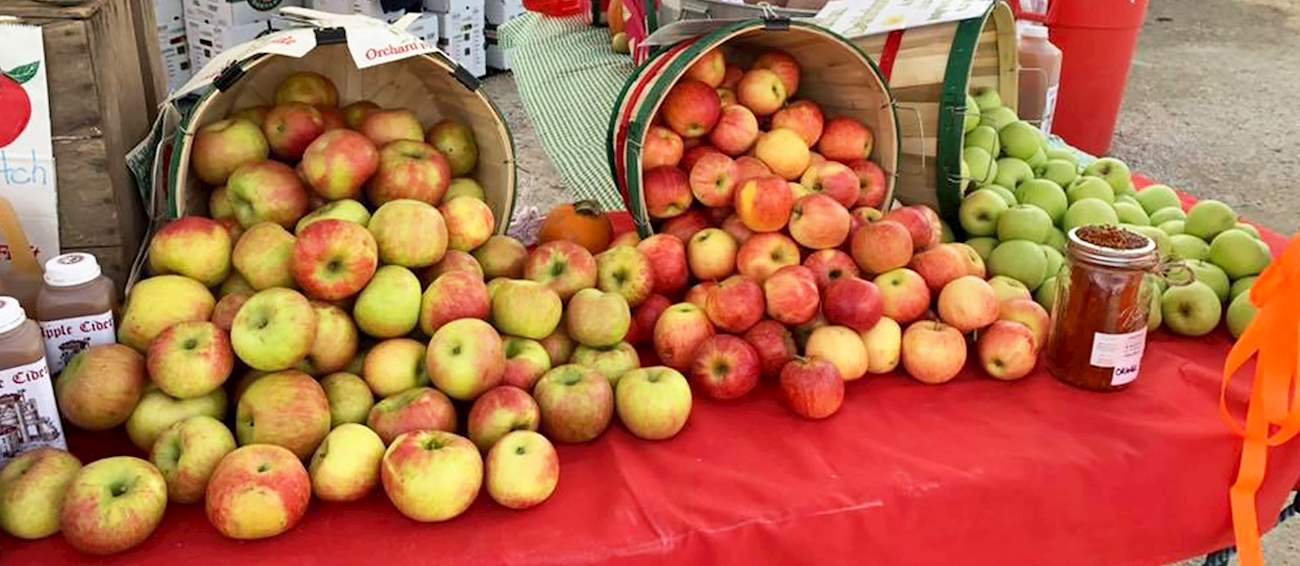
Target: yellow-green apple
973, 260
663, 148
274, 330
812, 387
692, 155
193, 246
333, 259
291, 127
345, 209
522, 470
563, 266
559, 346
686, 224
736, 228
784, 66
523, 308
750, 168
872, 185
189, 359
1239, 314
668, 262
257, 492
336, 340
713, 180
1032, 315
611, 361
453, 295
761, 91
667, 192
349, 397
418, 408
1007, 350
904, 294
464, 187
255, 114
264, 255
267, 191
845, 140
735, 132
803, 117
32, 486
576, 403
939, 265
395, 365
735, 304
112, 505
1022, 260
157, 411
387, 126
709, 69
968, 303
597, 318
829, 266
389, 306
784, 152
1191, 310
219, 207
1239, 254
222, 147
159, 302
431, 475
187, 453
355, 113
763, 254
842, 346
287, 409
791, 295
308, 88
922, 224
409, 170
338, 163
653, 403
502, 256
725, 367
465, 358
679, 332
854, 303
497, 412
698, 294
346, 465
1008, 288
100, 386
884, 343
644, 317
624, 270
818, 222
469, 223
456, 141
691, 108
711, 254
933, 352
808, 180
409, 233
774, 345
764, 203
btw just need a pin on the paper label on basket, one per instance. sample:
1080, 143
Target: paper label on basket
291, 43
372, 45
854, 18
1122, 352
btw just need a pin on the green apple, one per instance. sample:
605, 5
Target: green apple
965, 176
1242, 285
1161, 239
1063, 154
32, 486
1012, 172
1044, 194
112, 505
1131, 199
945, 233
464, 187
1162, 215
455, 140
1088, 211
389, 306
1055, 259
1024, 222
1209, 217
274, 330
1191, 310
1020, 140
1021, 260
157, 411
979, 212
1056, 239
983, 246
1211, 275
653, 403
1154, 315
611, 361
1007, 288
1157, 197
1247, 228
983, 137
1240, 313
1090, 187
1113, 171
1238, 254
526, 308
1187, 246
1131, 213
1045, 294
1005, 193
971, 115
187, 452
347, 210
1037, 161
345, 467
349, 397
1173, 227
986, 97
982, 167
996, 118
1060, 171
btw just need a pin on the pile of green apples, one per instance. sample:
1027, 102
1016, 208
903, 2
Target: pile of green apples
1021, 197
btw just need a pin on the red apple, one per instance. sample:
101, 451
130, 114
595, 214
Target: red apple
1006, 350
308, 88
257, 491
725, 367
854, 303
791, 295
267, 191
678, 333
453, 295
763, 254
921, 222
334, 259
709, 69
750, 168
774, 345
338, 163
685, 225
764, 203
871, 183
667, 256
939, 265
881, 246
221, 147
836, 180
452, 260
785, 67
698, 295
667, 192
644, 317
735, 304
736, 131
692, 155
691, 108
355, 113
812, 387
713, 180
1029, 313
830, 266
804, 117
933, 352
563, 266
663, 147
734, 226
762, 91
974, 262
333, 118
818, 222
419, 408
576, 403
409, 170
904, 295
732, 76
845, 139
290, 128
501, 410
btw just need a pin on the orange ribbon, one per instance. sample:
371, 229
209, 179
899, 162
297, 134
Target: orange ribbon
1273, 411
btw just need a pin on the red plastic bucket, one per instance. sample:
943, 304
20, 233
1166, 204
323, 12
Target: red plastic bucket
1097, 39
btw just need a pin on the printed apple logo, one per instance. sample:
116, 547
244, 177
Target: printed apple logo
15, 106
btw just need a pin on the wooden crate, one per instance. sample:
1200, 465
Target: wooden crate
106, 81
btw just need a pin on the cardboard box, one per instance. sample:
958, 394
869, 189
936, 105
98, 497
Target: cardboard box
454, 24
206, 42
230, 13
467, 50
497, 58
498, 12
454, 6
169, 15
425, 27
331, 6
176, 63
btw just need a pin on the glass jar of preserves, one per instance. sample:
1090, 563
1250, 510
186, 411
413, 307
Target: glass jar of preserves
1099, 317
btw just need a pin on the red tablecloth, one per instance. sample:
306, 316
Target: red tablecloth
976, 472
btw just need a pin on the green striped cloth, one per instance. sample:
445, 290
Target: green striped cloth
569, 80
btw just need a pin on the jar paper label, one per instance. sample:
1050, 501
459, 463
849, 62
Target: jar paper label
67, 337
28, 415
1123, 352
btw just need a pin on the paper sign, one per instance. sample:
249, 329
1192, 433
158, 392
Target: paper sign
854, 18
26, 153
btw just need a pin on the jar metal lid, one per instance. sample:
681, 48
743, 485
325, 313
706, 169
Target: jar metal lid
1141, 257
11, 314
71, 269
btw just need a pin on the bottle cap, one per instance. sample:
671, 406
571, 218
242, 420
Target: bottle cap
71, 269
1037, 31
11, 314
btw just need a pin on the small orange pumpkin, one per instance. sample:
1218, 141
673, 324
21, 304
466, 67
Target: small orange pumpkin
582, 223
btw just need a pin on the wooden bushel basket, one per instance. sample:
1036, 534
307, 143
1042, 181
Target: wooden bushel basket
836, 75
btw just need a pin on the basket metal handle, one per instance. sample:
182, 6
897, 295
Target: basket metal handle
920, 127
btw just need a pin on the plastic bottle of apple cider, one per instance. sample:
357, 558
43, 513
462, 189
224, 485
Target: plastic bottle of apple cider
26, 388
1040, 75
74, 308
